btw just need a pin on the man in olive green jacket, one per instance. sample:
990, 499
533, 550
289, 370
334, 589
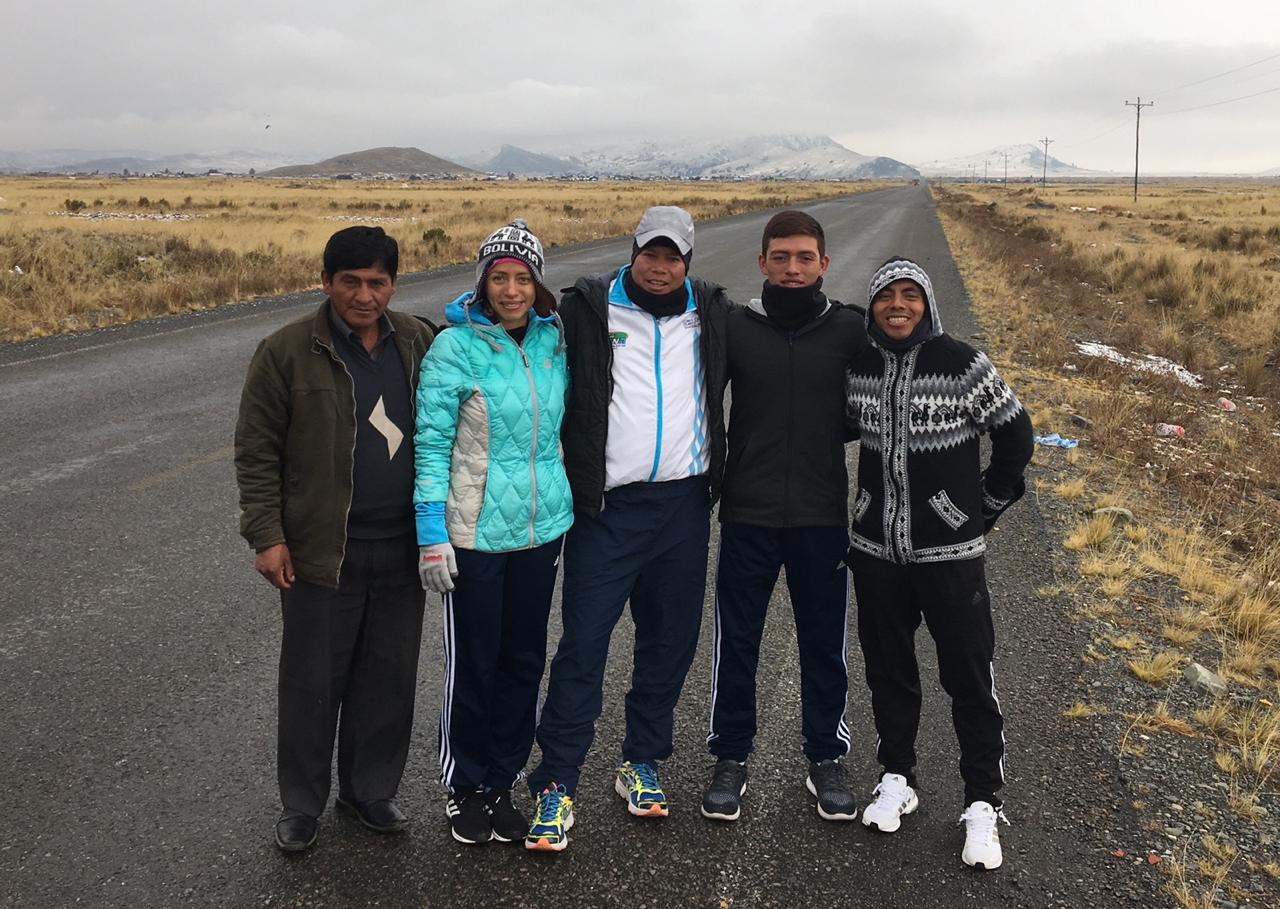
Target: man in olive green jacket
324, 462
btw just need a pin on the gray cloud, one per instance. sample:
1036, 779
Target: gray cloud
917, 80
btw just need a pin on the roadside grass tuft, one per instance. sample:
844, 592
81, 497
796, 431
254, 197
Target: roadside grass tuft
1080, 710
1215, 717
1178, 635
1159, 670
1092, 533
1070, 490
1159, 719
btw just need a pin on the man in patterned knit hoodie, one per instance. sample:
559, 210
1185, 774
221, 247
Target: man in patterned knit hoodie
922, 399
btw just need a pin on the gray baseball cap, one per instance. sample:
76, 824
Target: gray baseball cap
666, 221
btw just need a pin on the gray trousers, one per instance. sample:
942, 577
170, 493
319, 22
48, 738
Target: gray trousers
350, 655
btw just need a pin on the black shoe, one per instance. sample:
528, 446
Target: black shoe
295, 831
828, 784
722, 799
469, 818
381, 816
508, 824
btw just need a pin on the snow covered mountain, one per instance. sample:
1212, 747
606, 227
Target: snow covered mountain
751, 158
1025, 161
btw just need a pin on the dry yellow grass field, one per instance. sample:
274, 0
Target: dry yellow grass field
86, 252
1190, 273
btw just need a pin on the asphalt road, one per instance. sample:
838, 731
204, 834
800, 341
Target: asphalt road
138, 653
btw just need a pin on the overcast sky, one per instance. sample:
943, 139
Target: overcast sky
916, 80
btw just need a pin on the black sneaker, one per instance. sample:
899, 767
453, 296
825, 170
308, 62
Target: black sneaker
828, 784
505, 818
722, 799
469, 817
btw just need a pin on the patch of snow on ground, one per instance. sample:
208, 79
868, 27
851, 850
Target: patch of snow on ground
1145, 363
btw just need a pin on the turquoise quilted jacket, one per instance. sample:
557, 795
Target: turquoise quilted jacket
488, 470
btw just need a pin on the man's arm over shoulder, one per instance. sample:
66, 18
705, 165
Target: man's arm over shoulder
262, 427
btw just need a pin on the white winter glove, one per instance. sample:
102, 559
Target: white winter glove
437, 566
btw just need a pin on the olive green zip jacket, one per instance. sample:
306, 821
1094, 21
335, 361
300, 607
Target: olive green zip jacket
295, 441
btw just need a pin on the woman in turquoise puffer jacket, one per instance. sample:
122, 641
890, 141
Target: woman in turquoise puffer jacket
492, 504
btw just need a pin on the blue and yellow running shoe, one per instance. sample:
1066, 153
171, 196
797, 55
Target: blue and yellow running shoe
552, 818
638, 784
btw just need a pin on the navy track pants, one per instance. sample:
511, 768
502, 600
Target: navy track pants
495, 648
648, 545
818, 581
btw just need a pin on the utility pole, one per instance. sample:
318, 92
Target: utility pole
1006, 169
984, 170
1138, 105
1044, 176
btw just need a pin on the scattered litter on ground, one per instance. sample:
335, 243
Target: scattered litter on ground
1145, 363
365, 219
1205, 678
1081, 421
125, 216
1116, 511
1227, 404
1056, 441
1169, 430
16, 270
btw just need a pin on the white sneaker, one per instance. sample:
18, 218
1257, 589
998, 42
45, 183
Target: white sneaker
981, 838
894, 798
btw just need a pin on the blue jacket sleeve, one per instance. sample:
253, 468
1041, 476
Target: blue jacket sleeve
444, 382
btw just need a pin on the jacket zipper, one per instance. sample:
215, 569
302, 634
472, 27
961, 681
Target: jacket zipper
888, 448
533, 454
657, 384
351, 475
791, 416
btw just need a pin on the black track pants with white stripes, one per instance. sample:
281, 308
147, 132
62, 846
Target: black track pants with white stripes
818, 582
495, 648
953, 599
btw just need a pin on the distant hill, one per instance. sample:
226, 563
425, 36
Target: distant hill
511, 159
117, 161
400, 162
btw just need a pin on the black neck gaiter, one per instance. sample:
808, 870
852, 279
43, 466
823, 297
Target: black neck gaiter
918, 334
792, 307
657, 305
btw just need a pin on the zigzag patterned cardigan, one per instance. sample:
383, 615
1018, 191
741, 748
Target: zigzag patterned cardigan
923, 495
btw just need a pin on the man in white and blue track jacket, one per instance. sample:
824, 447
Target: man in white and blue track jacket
644, 448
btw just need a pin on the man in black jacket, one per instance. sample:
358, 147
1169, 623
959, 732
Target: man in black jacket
643, 441
785, 503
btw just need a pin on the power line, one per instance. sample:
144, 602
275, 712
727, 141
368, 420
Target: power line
1183, 110
1044, 176
1169, 91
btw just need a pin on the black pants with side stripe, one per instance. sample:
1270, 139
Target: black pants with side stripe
952, 598
495, 648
